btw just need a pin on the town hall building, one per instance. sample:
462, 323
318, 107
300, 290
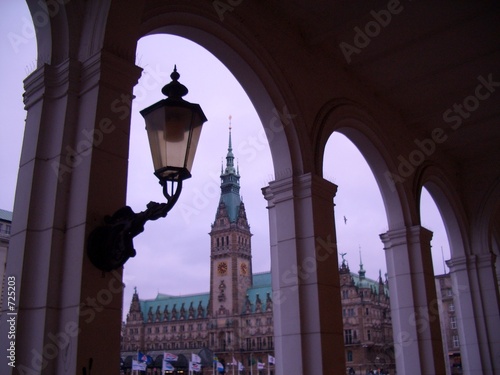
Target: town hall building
234, 320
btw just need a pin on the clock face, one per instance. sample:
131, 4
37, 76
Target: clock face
244, 269
222, 268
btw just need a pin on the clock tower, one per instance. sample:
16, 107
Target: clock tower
230, 246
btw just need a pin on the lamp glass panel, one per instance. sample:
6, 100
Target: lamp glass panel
168, 132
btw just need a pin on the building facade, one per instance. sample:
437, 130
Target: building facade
234, 320
5, 227
366, 315
448, 320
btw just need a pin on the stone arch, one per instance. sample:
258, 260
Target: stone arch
448, 203
353, 121
256, 73
102, 28
485, 226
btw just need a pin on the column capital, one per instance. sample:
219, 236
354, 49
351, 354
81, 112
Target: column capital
413, 234
51, 81
475, 261
298, 186
107, 68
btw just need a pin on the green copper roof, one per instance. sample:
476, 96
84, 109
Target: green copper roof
5, 215
179, 302
262, 279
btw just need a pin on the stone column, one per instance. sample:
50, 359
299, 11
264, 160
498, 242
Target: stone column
306, 291
414, 305
73, 171
475, 295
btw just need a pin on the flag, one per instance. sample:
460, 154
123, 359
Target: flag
167, 366
234, 363
260, 366
271, 359
240, 366
169, 357
196, 367
195, 358
220, 367
141, 357
139, 366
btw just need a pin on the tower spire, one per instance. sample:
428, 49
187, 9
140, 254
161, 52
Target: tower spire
230, 155
230, 146
230, 182
361, 271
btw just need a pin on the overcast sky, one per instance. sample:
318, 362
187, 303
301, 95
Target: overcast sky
173, 254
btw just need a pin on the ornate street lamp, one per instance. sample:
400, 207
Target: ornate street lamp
174, 128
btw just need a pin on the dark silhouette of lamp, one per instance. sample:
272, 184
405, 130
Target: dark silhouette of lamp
174, 128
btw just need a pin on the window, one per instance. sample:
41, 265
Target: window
456, 341
453, 322
349, 356
369, 335
367, 311
451, 307
345, 294
348, 336
270, 341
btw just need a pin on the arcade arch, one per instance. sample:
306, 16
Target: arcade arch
86, 60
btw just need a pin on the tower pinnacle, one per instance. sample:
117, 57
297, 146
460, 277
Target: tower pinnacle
230, 182
230, 155
361, 271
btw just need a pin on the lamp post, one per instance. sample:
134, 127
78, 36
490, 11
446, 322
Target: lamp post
174, 128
